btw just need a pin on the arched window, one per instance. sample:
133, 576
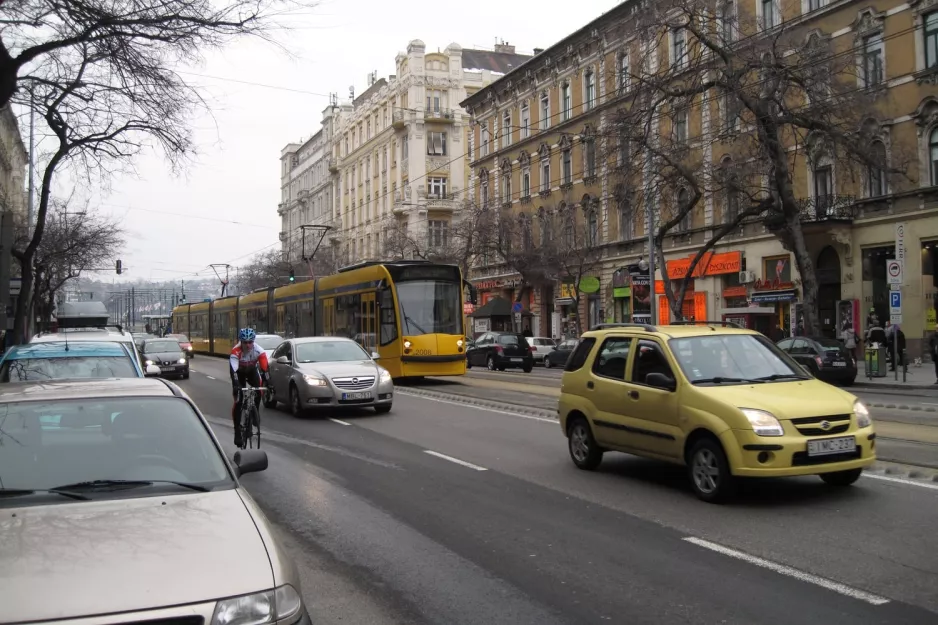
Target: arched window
683, 197
823, 171
876, 172
592, 228
624, 212
933, 156
525, 223
544, 225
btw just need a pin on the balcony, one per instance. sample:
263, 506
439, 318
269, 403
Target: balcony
444, 116
283, 236
828, 208
399, 119
333, 164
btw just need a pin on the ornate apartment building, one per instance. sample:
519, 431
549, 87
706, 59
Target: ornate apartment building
544, 142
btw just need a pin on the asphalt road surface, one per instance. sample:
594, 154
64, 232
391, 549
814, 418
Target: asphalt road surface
446, 513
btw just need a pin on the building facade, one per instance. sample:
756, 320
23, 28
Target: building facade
541, 145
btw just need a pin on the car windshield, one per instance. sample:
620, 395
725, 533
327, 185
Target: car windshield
48, 444
152, 347
430, 307
329, 351
89, 367
732, 358
268, 342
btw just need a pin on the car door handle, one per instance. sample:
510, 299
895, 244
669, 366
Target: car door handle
589, 385
633, 394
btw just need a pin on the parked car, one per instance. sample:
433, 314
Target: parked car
87, 321
500, 351
268, 343
327, 372
124, 482
542, 346
559, 355
826, 359
167, 355
61, 360
725, 402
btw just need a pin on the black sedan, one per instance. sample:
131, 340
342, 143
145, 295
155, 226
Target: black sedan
826, 359
500, 351
167, 355
559, 355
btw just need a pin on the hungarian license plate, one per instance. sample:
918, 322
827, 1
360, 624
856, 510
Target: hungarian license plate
166, 369
839, 364
517, 360
365, 395
828, 446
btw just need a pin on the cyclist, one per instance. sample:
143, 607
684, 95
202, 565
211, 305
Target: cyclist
248, 368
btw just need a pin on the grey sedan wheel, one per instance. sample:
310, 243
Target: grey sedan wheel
295, 406
270, 399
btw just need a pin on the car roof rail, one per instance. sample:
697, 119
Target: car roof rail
644, 326
705, 322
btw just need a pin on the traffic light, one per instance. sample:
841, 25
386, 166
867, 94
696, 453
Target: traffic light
120, 267
292, 276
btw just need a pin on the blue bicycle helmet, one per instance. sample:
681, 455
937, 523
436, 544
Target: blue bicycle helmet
247, 334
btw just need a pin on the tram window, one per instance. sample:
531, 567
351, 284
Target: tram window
306, 318
388, 322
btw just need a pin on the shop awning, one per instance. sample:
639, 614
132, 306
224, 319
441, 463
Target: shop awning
497, 307
774, 296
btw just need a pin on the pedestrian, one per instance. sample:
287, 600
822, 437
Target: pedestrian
850, 339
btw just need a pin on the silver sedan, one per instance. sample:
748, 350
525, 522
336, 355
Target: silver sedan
327, 371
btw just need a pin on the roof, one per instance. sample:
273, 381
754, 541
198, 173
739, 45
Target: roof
61, 349
501, 62
674, 331
84, 389
320, 339
88, 334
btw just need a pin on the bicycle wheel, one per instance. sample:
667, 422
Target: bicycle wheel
254, 429
245, 428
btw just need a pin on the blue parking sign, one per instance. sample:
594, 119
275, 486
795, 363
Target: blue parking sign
895, 299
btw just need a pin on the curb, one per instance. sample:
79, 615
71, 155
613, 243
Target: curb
480, 402
895, 386
906, 471
910, 407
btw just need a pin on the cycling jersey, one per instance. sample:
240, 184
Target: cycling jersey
241, 358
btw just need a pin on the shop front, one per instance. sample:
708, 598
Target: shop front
640, 294
621, 296
695, 303
497, 287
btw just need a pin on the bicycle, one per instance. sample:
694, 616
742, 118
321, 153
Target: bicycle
250, 417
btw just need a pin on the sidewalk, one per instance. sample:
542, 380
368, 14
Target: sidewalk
918, 378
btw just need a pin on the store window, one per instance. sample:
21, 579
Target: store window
734, 293
875, 287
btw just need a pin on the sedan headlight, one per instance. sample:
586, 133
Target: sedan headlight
763, 423
385, 375
148, 362
863, 414
314, 381
269, 606
181, 361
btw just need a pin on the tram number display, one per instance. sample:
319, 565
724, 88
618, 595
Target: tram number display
421, 352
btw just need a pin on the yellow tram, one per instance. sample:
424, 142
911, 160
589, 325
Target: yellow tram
409, 312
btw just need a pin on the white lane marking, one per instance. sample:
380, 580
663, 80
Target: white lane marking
456, 460
900, 480
789, 571
465, 405
339, 422
211, 378
927, 404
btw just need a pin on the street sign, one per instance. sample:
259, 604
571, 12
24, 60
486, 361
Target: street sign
895, 319
516, 307
468, 308
893, 271
895, 302
517, 317
900, 243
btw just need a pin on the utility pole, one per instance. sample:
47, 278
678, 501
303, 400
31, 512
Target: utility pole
133, 306
224, 281
32, 164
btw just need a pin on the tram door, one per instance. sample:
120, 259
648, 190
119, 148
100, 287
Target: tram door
369, 337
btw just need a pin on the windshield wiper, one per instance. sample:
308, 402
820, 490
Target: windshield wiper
16, 492
103, 484
721, 380
782, 376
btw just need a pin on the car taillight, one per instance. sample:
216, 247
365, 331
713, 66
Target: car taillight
818, 360
531, 349
498, 348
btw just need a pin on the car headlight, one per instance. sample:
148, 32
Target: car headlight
458, 342
148, 362
763, 423
314, 381
863, 414
181, 361
269, 606
385, 375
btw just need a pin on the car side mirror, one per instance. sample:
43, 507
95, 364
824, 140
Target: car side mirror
250, 461
375, 355
152, 370
660, 380
283, 360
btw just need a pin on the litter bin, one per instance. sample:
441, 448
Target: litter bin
875, 362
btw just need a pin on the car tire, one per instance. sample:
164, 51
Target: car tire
842, 478
383, 409
584, 450
185, 376
270, 400
528, 368
547, 364
709, 471
296, 409
490, 363
468, 364
849, 382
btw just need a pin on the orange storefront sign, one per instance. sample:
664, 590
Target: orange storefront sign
695, 304
710, 264
735, 291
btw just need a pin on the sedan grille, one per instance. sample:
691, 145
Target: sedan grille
354, 383
820, 426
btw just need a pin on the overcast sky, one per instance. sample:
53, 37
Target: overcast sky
224, 208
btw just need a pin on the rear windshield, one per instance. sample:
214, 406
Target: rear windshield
89, 367
829, 345
512, 339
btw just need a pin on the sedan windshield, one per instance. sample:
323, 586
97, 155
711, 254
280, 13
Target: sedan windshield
50, 444
430, 307
153, 347
329, 351
89, 367
732, 358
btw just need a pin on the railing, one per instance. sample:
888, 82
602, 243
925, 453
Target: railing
332, 164
442, 114
828, 208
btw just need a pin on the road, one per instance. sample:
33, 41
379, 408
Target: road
388, 527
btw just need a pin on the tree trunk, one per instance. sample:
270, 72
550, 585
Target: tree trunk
809, 284
8, 72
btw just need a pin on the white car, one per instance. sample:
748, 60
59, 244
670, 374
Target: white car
268, 343
542, 346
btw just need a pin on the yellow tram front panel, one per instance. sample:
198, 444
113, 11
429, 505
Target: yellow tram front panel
199, 327
224, 325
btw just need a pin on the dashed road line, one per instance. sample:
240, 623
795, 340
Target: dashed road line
339, 421
211, 378
782, 569
456, 460
900, 480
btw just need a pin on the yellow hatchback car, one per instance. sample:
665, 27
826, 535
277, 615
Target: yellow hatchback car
724, 401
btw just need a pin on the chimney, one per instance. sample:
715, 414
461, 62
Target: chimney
504, 48
538, 51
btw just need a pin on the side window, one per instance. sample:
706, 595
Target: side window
288, 351
785, 345
280, 351
578, 357
649, 359
799, 347
611, 359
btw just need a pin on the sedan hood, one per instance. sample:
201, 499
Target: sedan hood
786, 400
163, 356
83, 558
340, 369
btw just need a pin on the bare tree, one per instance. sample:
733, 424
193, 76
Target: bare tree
74, 243
101, 75
454, 243
763, 92
265, 270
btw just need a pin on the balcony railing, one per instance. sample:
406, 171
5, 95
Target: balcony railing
442, 115
824, 208
399, 118
333, 164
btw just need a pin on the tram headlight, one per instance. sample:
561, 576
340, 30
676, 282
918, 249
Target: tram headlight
407, 344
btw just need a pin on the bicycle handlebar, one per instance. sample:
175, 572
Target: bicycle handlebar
254, 388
